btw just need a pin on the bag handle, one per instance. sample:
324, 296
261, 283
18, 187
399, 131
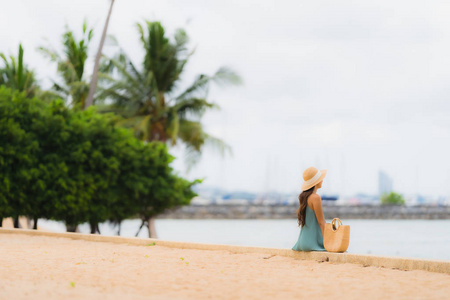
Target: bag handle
333, 223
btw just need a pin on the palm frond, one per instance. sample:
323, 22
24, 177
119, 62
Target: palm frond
192, 106
60, 88
143, 94
71, 64
181, 40
218, 144
194, 138
20, 75
173, 126
191, 133
226, 76
200, 84
49, 53
16, 75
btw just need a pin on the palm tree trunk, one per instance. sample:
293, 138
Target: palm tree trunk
35, 220
1, 221
90, 98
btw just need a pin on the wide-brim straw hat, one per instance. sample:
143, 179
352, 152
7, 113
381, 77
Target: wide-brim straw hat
312, 176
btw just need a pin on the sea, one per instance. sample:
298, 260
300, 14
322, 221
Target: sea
429, 239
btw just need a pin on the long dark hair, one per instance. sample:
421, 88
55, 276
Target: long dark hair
303, 199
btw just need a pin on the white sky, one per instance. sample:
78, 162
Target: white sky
348, 86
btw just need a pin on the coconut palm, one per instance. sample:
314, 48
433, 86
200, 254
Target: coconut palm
73, 85
147, 97
15, 75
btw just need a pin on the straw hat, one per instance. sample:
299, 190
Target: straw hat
312, 176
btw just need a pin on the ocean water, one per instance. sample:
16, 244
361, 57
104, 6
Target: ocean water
406, 238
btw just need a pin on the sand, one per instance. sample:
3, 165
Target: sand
60, 268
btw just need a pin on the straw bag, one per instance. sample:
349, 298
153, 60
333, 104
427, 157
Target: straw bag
336, 239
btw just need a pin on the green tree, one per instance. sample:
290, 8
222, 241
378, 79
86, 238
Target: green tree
77, 166
33, 154
130, 182
16, 75
46, 160
17, 147
73, 84
87, 155
161, 189
21, 118
392, 199
53, 188
147, 97
102, 169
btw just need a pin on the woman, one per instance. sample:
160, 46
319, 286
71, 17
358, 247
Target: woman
310, 214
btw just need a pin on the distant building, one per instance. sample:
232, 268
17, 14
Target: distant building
384, 183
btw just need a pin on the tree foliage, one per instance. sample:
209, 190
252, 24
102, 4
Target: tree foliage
392, 199
72, 84
148, 98
16, 75
76, 166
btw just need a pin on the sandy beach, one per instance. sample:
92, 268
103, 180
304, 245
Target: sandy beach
60, 268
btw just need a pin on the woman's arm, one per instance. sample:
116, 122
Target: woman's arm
317, 205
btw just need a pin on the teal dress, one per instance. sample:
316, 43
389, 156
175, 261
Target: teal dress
310, 238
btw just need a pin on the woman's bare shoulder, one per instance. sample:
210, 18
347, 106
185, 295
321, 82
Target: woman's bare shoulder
315, 196
314, 199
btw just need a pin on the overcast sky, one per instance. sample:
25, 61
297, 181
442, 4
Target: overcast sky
353, 87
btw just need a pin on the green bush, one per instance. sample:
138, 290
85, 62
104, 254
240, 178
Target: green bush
392, 199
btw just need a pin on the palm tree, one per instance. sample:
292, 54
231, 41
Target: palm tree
93, 86
15, 75
147, 97
73, 85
